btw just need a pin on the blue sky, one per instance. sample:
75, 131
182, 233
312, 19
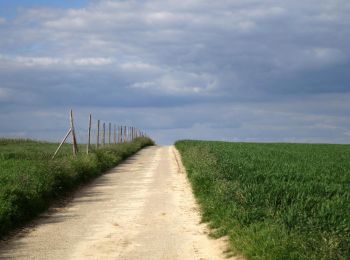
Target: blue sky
10, 8
225, 70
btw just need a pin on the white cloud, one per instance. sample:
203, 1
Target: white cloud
50, 61
92, 61
327, 55
179, 83
138, 66
4, 93
36, 61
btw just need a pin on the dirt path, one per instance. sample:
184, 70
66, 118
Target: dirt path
142, 209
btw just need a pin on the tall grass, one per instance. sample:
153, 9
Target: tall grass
30, 180
274, 201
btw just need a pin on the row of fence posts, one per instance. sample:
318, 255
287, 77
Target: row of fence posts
121, 134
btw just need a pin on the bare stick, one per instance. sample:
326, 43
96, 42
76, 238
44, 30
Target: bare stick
98, 134
89, 136
63, 140
75, 146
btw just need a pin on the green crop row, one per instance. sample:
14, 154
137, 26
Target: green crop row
274, 201
30, 180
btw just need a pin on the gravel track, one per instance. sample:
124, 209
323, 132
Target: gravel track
141, 209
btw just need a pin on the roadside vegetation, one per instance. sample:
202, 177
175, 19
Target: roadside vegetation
274, 201
30, 180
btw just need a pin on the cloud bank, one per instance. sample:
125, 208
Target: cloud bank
228, 70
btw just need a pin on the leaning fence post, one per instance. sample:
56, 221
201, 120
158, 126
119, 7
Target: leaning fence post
75, 146
63, 140
89, 136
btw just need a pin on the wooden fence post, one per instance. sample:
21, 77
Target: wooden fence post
109, 133
98, 134
89, 136
115, 134
121, 133
104, 134
124, 134
118, 134
75, 146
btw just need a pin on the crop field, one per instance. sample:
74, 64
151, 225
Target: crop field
29, 179
274, 201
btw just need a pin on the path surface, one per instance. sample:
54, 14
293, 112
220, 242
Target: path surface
141, 209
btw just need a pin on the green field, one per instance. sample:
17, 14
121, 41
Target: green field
274, 201
30, 180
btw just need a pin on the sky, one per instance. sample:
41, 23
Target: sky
230, 70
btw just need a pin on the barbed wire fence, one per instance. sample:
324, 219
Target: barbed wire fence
99, 133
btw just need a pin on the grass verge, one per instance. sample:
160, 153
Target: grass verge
274, 201
30, 180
